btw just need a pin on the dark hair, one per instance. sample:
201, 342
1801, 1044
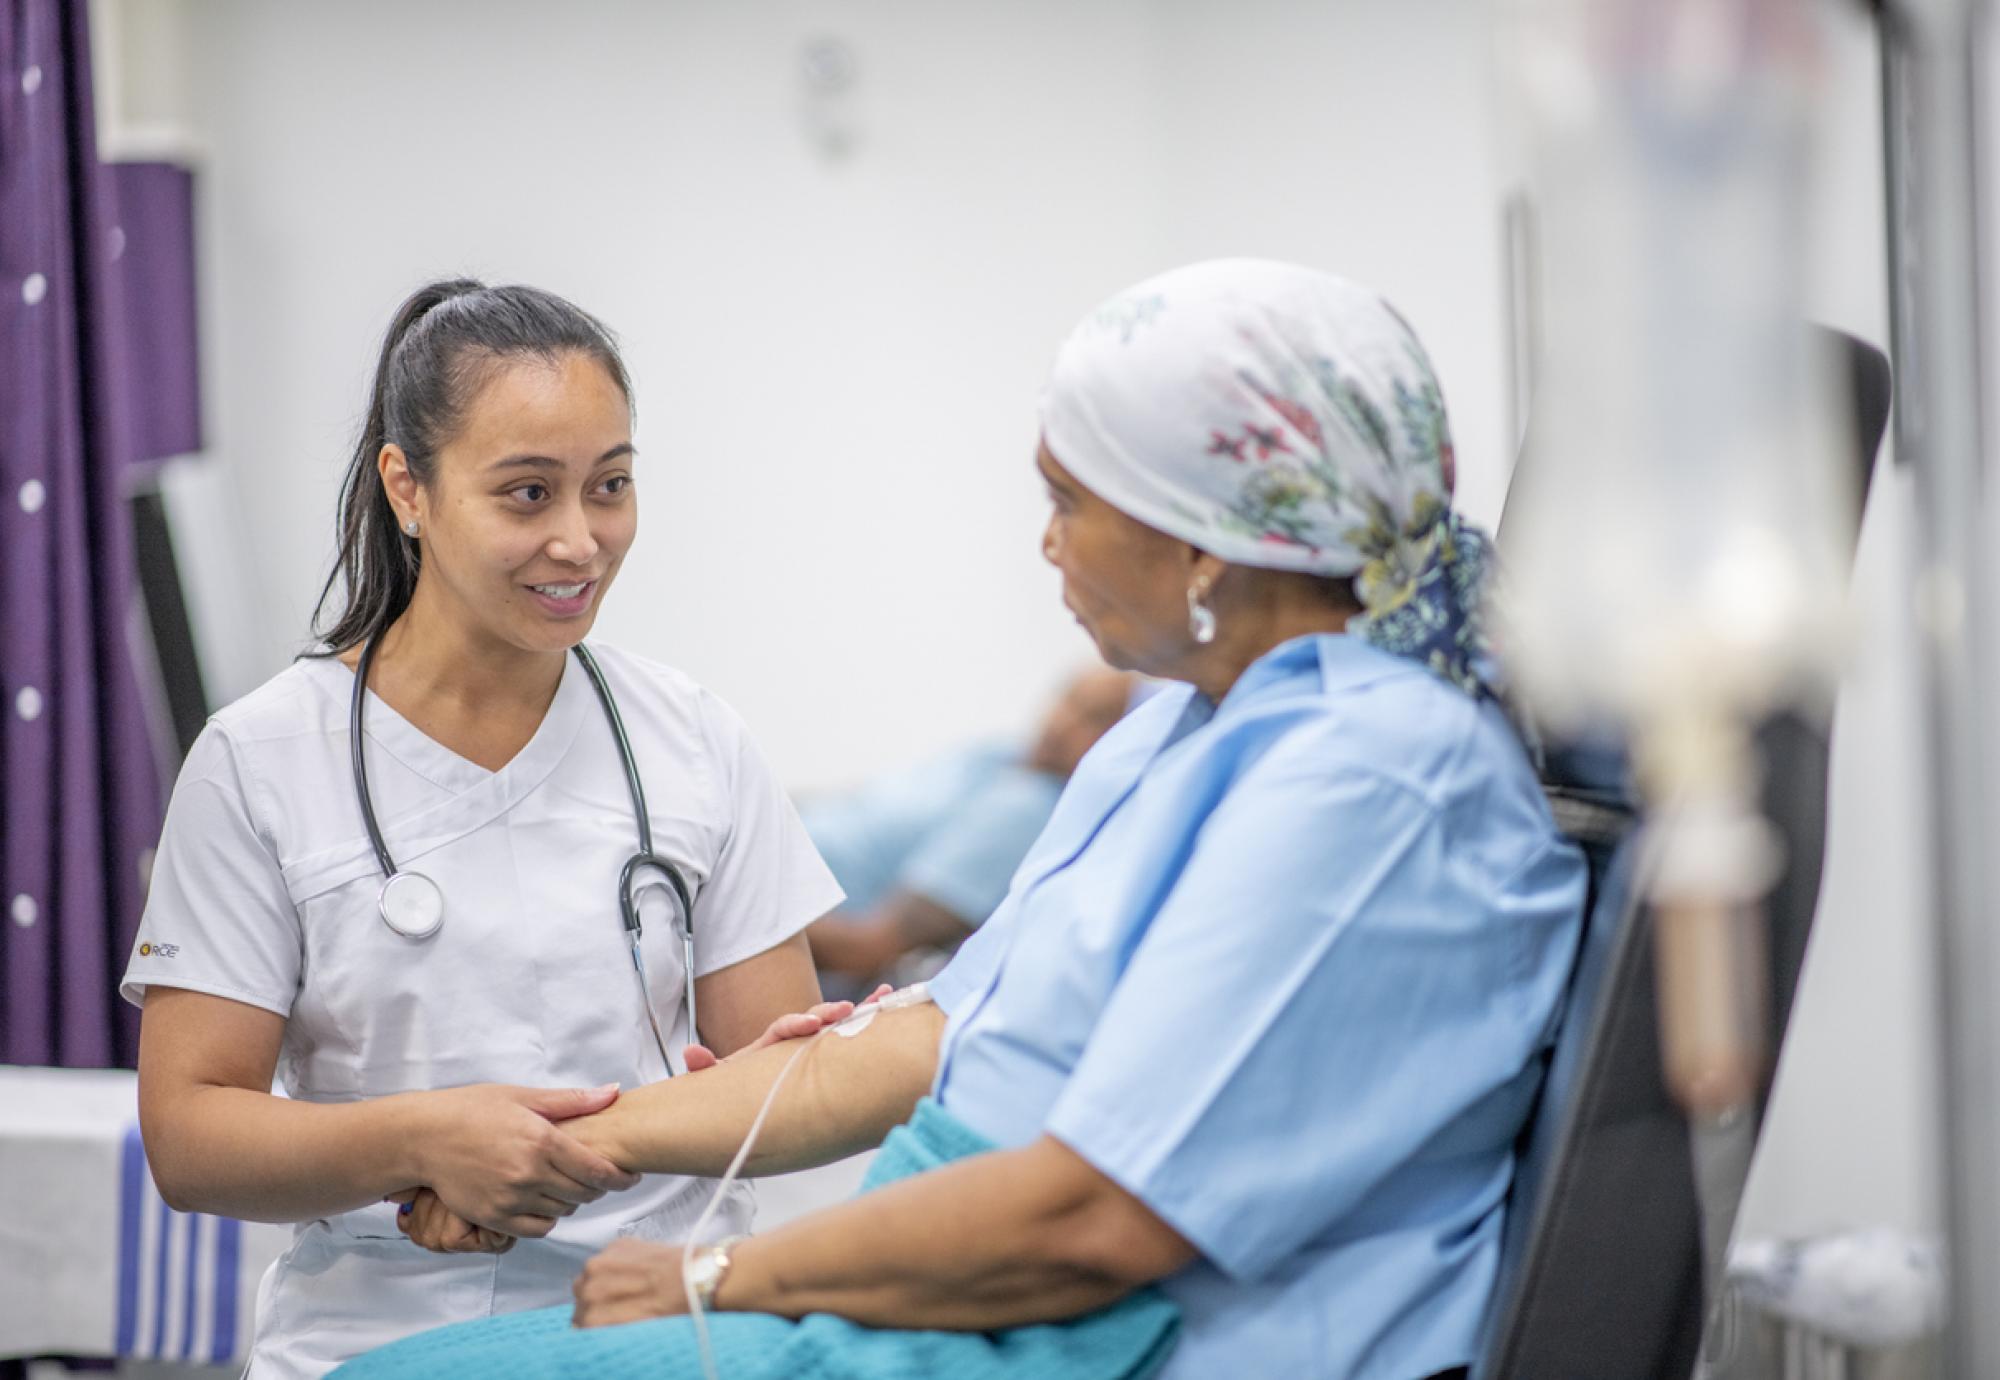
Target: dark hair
441, 349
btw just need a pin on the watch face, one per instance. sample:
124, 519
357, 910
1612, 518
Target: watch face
704, 1273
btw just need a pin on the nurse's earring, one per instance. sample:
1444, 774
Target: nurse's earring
411, 553
1201, 618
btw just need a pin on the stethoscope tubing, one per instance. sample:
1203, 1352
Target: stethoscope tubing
633, 784
360, 760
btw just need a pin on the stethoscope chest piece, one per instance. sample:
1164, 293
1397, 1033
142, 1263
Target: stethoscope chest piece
411, 905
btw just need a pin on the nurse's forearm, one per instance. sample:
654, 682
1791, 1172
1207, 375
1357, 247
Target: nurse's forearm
238, 1153
219, 1141
844, 1096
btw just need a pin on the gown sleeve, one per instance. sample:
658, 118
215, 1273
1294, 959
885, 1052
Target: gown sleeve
218, 916
1332, 991
768, 882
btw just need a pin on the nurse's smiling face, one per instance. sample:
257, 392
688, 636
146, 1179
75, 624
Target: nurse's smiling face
1125, 582
531, 507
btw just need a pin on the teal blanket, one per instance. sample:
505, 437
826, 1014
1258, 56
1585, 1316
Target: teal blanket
1129, 1339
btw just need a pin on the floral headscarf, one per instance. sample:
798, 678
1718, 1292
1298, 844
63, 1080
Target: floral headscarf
1279, 417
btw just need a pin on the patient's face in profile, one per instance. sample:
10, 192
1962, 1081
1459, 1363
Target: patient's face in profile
1125, 582
531, 508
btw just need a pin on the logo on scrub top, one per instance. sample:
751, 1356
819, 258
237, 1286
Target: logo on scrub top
150, 950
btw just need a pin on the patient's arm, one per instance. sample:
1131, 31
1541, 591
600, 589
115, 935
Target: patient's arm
846, 1094
996, 1240
434, 1227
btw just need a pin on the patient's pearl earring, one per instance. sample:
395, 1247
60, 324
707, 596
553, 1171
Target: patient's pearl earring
410, 527
1201, 618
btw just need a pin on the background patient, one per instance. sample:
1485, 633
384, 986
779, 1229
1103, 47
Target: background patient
925, 853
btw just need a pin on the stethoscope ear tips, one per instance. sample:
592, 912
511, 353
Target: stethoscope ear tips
411, 905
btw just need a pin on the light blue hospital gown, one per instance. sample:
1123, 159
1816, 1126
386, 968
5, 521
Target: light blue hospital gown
1288, 968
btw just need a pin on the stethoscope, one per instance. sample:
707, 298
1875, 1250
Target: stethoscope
412, 904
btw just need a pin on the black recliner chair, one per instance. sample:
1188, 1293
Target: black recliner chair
1601, 1272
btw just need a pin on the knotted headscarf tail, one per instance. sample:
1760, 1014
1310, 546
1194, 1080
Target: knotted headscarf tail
1280, 417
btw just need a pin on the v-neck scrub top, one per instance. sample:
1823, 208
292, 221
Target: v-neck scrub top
1287, 969
264, 891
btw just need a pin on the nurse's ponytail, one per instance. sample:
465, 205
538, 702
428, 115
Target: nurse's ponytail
438, 353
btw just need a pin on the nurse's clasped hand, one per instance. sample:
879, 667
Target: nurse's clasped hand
432, 1224
521, 1172
427, 1220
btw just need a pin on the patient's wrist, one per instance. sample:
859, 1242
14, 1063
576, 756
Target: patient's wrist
606, 1132
743, 1287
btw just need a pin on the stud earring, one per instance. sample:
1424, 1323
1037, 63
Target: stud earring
410, 528
1201, 618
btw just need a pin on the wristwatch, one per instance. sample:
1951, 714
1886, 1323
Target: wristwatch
705, 1272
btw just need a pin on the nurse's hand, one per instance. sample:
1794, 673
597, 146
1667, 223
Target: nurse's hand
428, 1222
495, 1157
628, 1281
798, 1025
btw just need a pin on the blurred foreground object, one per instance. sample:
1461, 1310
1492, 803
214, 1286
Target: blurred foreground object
1858, 1306
1639, 314
1679, 566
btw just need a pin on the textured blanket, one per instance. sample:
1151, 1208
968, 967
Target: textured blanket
1128, 1341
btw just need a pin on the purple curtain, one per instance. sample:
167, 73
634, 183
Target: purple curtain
82, 799
152, 254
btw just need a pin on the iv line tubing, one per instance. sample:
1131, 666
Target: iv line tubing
912, 995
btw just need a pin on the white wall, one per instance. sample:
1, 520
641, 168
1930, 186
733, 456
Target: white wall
1356, 137
837, 362
836, 365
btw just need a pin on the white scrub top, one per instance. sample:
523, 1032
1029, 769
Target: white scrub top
264, 892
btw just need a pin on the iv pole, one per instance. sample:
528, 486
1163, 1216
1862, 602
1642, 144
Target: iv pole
1931, 54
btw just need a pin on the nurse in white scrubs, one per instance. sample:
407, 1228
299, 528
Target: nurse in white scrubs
488, 508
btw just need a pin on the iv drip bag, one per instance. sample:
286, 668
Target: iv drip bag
1675, 536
